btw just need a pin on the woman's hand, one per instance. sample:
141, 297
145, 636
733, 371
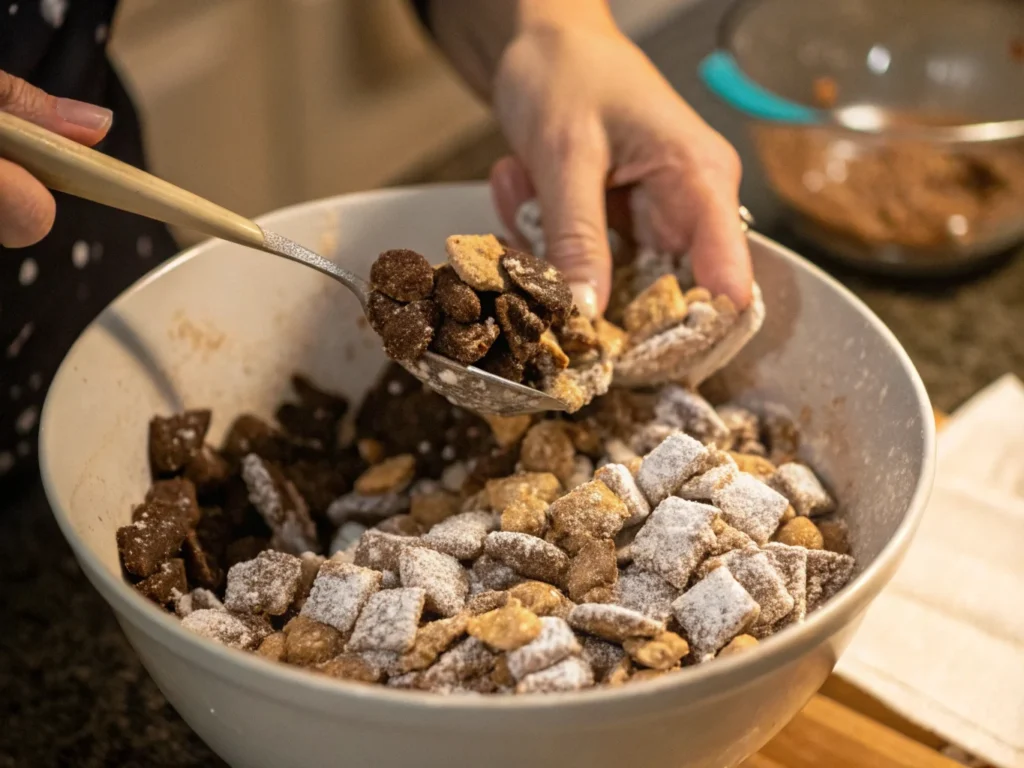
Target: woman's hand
27, 208
585, 111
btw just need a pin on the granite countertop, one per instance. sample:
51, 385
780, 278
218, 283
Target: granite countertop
75, 694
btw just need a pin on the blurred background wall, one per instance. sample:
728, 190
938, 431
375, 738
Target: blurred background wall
262, 103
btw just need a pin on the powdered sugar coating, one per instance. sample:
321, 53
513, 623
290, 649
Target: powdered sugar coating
791, 563
613, 622
527, 555
339, 594
621, 482
467, 659
757, 574
377, 507
442, 578
714, 611
234, 630
462, 535
555, 641
601, 655
669, 465
751, 506
489, 573
280, 505
798, 483
704, 486
646, 593
572, 674
688, 411
660, 357
381, 551
197, 600
827, 573
674, 540
266, 584
388, 621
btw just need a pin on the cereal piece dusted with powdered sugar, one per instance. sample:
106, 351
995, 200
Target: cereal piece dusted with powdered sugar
381, 551
601, 655
488, 573
346, 538
781, 434
503, 491
400, 525
149, 541
544, 284
267, 584
280, 505
659, 306
620, 481
646, 593
391, 475
431, 641
179, 494
756, 573
527, 514
668, 466
506, 628
704, 486
590, 510
827, 573
310, 564
175, 440
729, 539
593, 567
835, 536
571, 674
798, 483
744, 430
751, 506
674, 540
613, 622
687, 410
650, 436
476, 259
242, 631
791, 563
582, 472
197, 600
548, 447
462, 535
339, 594
715, 610
441, 577
353, 505
166, 585
555, 642
467, 659
578, 386
662, 651
388, 621
542, 599
527, 555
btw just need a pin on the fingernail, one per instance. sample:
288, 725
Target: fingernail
83, 114
585, 297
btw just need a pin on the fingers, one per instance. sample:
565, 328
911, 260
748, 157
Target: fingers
77, 120
569, 174
719, 253
27, 209
510, 188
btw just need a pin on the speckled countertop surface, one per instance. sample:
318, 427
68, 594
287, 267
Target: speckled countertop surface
72, 693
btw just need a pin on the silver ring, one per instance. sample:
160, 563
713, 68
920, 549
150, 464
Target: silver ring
746, 219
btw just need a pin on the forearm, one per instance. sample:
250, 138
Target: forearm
475, 33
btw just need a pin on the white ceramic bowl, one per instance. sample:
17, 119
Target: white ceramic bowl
223, 327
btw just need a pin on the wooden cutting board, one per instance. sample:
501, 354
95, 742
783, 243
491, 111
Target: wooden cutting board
843, 727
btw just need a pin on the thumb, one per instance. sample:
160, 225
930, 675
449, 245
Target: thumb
77, 120
571, 193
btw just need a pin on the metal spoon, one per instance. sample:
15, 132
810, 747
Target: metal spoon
66, 166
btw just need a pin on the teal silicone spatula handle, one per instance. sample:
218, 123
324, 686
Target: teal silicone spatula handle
724, 78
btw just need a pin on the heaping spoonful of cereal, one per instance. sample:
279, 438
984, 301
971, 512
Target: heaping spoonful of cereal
69, 167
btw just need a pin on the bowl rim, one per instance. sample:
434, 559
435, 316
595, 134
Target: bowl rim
265, 677
851, 119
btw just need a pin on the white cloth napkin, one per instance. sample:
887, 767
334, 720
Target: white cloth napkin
943, 644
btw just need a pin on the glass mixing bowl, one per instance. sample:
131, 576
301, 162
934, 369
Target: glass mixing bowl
920, 176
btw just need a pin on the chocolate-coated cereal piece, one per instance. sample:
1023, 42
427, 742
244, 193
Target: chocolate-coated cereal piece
540, 598
272, 647
242, 631
408, 333
339, 593
781, 436
541, 281
756, 573
467, 659
431, 507
432, 639
503, 491
476, 259
506, 628
738, 644
571, 674
179, 494
714, 611
578, 337
166, 585
663, 651
527, 514
380, 309
465, 342
456, 299
548, 447
800, 532
758, 466
354, 667
791, 563
388, 621
175, 440
280, 505
550, 357
402, 275
522, 329
391, 475
500, 361
613, 622
250, 434
442, 578
687, 410
658, 307
590, 510
266, 584
835, 536
489, 573
381, 550
208, 470
555, 642
593, 566
149, 541
621, 482
827, 573
308, 642
529, 556
462, 535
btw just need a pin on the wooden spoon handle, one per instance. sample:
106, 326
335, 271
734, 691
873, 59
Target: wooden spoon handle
67, 166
